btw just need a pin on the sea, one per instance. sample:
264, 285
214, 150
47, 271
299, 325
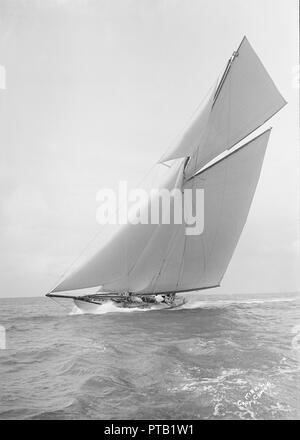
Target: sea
216, 357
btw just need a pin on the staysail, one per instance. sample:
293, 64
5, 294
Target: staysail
157, 258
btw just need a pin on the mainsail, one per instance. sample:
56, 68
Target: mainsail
160, 258
229, 185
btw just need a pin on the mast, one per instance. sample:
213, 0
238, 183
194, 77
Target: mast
224, 76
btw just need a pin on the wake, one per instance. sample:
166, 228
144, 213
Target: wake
190, 304
198, 304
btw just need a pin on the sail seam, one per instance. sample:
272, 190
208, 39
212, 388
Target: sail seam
169, 250
181, 263
176, 232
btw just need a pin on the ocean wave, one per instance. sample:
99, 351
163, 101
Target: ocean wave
110, 307
198, 304
23, 357
197, 346
32, 318
198, 364
63, 412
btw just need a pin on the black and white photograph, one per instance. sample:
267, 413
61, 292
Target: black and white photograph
149, 213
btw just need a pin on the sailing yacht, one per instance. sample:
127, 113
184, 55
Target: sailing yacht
146, 265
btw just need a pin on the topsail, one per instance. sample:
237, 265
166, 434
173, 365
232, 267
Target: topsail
158, 258
244, 100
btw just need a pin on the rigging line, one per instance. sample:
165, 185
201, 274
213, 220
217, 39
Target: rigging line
218, 88
169, 250
165, 165
226, 73
155, 277
222, 80
204, 256
180, 177
229, 112
143, 251
181, 270
126, 260
193, 159
226, 168
154, 232
127, 269
183, 253
221, 207
77, 258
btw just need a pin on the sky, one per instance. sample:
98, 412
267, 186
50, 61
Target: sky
95, 91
